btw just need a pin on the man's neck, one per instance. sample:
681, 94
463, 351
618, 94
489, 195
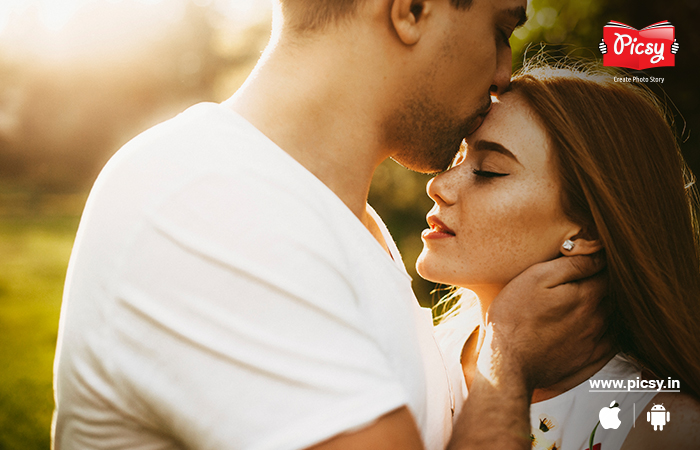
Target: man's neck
319, 111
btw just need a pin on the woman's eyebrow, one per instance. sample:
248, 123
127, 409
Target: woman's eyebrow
490, 146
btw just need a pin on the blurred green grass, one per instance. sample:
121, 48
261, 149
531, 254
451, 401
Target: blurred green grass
34, 253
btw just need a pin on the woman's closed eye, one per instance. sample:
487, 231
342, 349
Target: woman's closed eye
488, 174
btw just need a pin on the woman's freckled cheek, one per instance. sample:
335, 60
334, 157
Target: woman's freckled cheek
498, 226
494, 226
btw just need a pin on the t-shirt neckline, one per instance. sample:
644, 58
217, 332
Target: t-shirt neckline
394, 259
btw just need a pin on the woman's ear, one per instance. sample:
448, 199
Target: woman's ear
406, 16
580, 244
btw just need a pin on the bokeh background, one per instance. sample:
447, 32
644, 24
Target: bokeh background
79, 78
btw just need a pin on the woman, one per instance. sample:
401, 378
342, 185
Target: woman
570, 163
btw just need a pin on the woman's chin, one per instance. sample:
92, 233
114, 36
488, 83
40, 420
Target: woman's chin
424, 275
431, 272
425, 269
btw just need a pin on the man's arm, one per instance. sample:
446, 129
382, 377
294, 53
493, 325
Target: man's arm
546, 324
548, 317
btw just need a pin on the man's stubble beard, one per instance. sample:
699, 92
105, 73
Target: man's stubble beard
423, 134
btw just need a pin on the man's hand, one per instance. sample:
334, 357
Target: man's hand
547, 323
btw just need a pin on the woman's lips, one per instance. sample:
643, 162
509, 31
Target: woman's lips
437, 230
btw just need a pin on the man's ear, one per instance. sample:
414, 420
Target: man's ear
406, 16
581, 244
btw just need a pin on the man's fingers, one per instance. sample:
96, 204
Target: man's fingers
593, 288
588, 298
569, 269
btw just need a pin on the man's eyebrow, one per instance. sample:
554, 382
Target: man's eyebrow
519, 14
489, 146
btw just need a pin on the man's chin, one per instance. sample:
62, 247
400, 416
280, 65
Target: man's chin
475, 123
477, 119
433, 166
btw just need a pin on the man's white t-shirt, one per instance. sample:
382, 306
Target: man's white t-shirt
219, 296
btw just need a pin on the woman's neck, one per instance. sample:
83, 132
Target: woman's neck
485, 294
470, 354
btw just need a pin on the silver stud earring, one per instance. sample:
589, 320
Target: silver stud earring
568, 245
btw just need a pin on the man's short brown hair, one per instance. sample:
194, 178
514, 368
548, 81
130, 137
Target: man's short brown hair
310, 15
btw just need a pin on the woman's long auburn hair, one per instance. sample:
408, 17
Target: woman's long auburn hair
624, 180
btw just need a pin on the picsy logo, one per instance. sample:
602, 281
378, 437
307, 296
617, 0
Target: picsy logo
653, 46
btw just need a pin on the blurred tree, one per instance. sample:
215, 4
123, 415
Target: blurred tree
62, 118
575, 27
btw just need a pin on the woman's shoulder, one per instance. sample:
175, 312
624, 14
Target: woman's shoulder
681, 430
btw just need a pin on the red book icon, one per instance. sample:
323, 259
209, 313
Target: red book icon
639, 49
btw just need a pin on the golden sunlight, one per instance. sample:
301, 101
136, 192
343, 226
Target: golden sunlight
79, 78
68, 32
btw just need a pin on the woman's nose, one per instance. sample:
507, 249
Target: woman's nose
440, 188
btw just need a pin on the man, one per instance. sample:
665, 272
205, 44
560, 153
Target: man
230, 287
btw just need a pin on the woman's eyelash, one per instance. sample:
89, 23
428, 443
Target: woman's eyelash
487, 174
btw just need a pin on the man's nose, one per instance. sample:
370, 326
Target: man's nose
504, 69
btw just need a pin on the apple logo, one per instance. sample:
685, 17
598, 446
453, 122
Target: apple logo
608, 416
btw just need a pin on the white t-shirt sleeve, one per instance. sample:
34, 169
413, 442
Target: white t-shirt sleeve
236, 324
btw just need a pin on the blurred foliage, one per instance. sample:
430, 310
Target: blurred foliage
35, 251
60, 121
575, 28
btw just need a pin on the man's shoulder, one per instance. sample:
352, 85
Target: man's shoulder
203, 146
212, 172
200, 127
209, 173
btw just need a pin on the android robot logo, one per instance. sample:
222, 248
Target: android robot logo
658, 416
